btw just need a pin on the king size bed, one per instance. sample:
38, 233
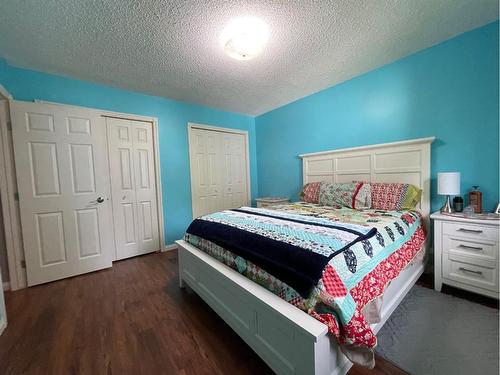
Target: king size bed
308, 285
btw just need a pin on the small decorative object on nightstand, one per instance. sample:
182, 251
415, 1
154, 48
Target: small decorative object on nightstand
466, 252
448, 184
458, 204
476, 199
271, 201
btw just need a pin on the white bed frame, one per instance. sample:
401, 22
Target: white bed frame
286, 338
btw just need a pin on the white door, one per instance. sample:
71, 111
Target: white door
133, 187
234, 167
218, 163
206, 174
63, 183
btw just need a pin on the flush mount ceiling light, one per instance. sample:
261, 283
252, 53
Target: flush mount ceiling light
244, 37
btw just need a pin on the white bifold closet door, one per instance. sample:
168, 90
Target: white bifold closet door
133, 187
218, 163
63, 182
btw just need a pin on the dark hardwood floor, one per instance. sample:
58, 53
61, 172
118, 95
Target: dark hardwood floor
130, 319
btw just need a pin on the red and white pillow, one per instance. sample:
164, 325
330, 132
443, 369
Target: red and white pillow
310, 192
394, 196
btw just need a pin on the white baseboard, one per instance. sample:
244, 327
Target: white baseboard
170, 247
6, 285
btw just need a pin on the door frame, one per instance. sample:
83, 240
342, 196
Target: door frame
10, 205
8, 189
191, 127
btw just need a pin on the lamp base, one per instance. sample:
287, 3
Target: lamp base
447, 206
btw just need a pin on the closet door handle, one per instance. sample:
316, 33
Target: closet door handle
471, 271
99, 200
476, 248
477, 231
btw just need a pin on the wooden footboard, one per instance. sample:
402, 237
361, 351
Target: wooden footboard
286, 338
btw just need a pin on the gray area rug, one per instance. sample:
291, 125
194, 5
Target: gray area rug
434, 333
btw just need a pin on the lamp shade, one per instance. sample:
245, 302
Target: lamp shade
449, 183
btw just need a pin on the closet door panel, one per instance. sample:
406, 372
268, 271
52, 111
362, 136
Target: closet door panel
145, 186
218, 162
205, 172
125, 221
235, 174
62, 176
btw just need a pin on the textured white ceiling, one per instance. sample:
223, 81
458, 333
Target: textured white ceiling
171, 48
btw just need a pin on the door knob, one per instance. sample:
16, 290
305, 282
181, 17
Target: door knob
100, 199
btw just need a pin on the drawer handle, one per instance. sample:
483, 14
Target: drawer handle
471, 247
471, 271
478, 231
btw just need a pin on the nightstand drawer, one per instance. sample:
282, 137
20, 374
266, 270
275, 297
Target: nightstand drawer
482, 249
465, 271
470, 231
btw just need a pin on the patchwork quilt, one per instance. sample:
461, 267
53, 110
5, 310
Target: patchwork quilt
291, 247
356, 252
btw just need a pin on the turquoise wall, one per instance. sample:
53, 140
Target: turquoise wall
449, 91
173, 117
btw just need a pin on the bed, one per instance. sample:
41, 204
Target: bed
287, 338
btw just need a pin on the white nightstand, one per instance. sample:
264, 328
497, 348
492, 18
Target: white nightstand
271, 201
466, 253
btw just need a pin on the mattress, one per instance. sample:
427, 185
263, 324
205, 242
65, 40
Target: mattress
365, 250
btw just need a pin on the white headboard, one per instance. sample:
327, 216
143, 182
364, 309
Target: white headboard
405, 161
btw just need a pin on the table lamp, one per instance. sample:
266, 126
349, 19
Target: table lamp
448, 184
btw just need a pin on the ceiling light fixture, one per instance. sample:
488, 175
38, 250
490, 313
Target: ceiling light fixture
244, 37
